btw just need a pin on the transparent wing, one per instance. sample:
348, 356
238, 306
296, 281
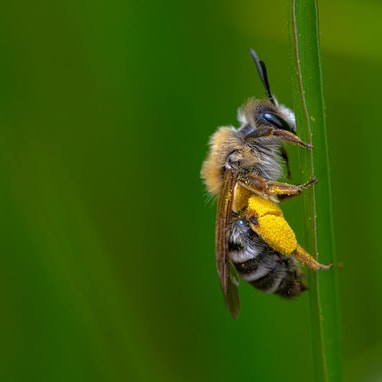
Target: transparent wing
226, 271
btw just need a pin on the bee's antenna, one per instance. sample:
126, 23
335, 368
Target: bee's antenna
263, 74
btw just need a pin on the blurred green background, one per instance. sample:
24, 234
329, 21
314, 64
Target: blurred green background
107, 266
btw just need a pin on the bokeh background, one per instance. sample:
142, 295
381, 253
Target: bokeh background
107, 269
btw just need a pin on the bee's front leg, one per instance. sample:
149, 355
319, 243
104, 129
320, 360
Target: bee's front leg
267, 131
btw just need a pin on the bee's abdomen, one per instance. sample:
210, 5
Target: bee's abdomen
261, 266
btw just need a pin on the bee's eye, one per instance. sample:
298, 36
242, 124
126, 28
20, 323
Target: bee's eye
277, 122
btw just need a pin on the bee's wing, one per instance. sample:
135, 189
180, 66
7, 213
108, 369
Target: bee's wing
226, 271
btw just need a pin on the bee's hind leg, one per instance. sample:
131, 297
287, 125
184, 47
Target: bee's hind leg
301, 255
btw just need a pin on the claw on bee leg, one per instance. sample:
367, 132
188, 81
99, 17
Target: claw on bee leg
301, 255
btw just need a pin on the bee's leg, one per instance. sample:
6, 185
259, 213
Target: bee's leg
274, 230
258, 185
266, 131
304, 258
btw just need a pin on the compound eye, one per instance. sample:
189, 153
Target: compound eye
277, 122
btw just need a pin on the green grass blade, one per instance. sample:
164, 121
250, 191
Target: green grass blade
319, 237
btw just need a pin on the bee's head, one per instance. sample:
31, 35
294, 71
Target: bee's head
278, 117
266, 113
256, 114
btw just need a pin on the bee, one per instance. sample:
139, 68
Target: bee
242, 169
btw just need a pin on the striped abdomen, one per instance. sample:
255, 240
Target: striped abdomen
262, 266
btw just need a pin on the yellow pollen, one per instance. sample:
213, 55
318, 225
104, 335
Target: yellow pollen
271, 225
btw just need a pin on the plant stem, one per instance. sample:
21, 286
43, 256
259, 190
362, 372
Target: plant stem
310, 117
